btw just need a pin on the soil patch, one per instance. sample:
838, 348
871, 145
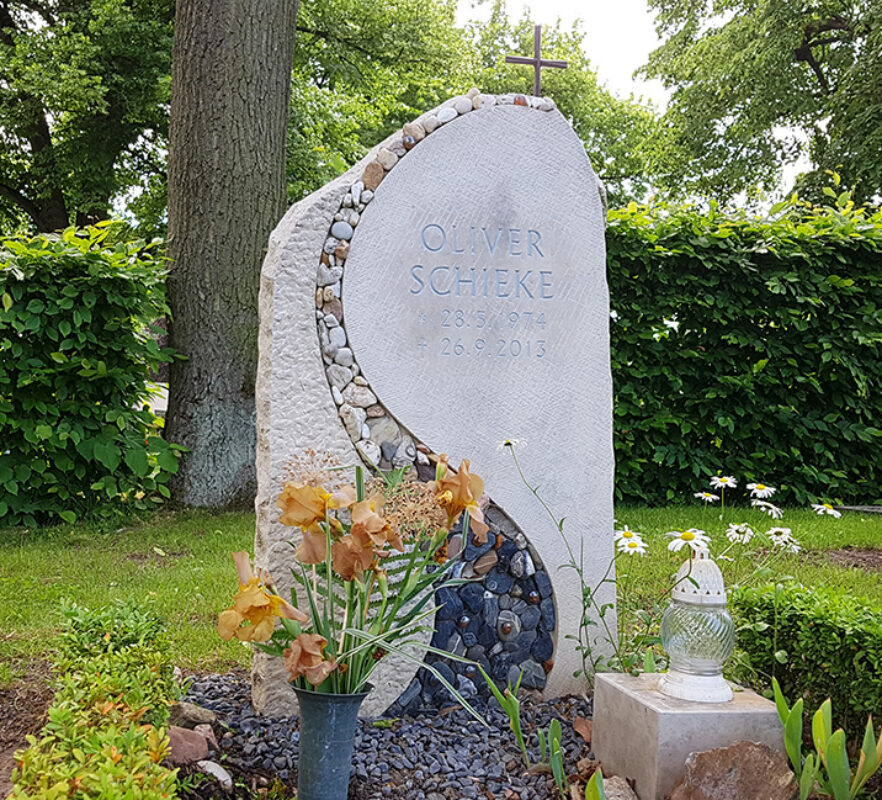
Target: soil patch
865, 558
22, 711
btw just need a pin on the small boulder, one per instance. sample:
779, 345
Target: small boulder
742, 771
186, 746
189, 715
208, 733
617, 788
224, 779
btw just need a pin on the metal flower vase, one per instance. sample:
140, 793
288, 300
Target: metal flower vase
327, 739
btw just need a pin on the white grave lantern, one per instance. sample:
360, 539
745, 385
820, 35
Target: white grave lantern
698, 634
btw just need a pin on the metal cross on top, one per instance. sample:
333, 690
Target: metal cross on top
537, 61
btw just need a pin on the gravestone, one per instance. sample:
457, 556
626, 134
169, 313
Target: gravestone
446, 294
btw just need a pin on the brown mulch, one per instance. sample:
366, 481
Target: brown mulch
22, 711
865, 558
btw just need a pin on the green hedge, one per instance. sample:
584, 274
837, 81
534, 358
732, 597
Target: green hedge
105, 735
774, 369
818, 644
75, 360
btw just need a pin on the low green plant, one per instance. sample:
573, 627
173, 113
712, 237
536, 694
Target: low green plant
105, 735
550, 753
817, 643
76, 761
594, 788
86, 632
511, 705
827, 769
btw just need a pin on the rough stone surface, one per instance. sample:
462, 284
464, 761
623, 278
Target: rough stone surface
187, 746
216, 771
189, 715
641, 734
548, 224
208, 732
353, 418
387, 158
462, 104
384, 429
616, 788
414, 129
339, 376
357, 395
288, 421
743, 771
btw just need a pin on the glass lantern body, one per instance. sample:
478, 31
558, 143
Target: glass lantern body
697, 638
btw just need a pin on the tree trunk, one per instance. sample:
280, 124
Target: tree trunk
231, 78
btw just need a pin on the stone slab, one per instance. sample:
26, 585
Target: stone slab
476, 304
641, 734
295, 412
524, 176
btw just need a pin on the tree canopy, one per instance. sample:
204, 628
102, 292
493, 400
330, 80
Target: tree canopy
757, 82
83, 105
84, 94
619, 134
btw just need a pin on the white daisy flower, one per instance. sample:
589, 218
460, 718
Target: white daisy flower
741, 534
783, 539
626, 533
707, 497
694, 538
761, 490
826, 508
723, 482
633, 547
511, 443
767, 508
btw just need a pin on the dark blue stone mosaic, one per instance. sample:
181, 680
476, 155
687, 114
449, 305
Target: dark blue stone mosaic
503, 618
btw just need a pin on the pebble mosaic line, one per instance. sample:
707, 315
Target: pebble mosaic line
504, 617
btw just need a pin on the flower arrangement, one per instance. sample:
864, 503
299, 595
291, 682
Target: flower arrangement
371, 557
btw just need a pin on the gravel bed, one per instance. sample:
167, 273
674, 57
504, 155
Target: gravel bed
442, 757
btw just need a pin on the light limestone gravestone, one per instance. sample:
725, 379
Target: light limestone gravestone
645, 736
444, 295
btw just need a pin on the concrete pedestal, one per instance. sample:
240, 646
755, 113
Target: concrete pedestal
642, 734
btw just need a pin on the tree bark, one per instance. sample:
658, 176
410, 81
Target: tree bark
231, 76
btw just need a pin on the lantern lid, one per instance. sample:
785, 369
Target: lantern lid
699, 582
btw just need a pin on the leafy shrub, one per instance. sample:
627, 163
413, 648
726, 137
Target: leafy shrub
87, 633
105, 736
75, 359
748, 347
818, 644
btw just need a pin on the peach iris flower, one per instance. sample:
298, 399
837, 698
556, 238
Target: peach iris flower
367, 523
350, 557
306, 506
305, 657
461, 491
254, 603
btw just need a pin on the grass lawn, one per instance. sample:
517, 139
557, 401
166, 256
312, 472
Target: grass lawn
180, 565
812, 567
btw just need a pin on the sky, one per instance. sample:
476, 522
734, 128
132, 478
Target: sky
618, 36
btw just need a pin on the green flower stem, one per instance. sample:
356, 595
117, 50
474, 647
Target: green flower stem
588, 593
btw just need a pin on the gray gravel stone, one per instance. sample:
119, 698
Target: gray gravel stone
327, 276
342, 230
447, 114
